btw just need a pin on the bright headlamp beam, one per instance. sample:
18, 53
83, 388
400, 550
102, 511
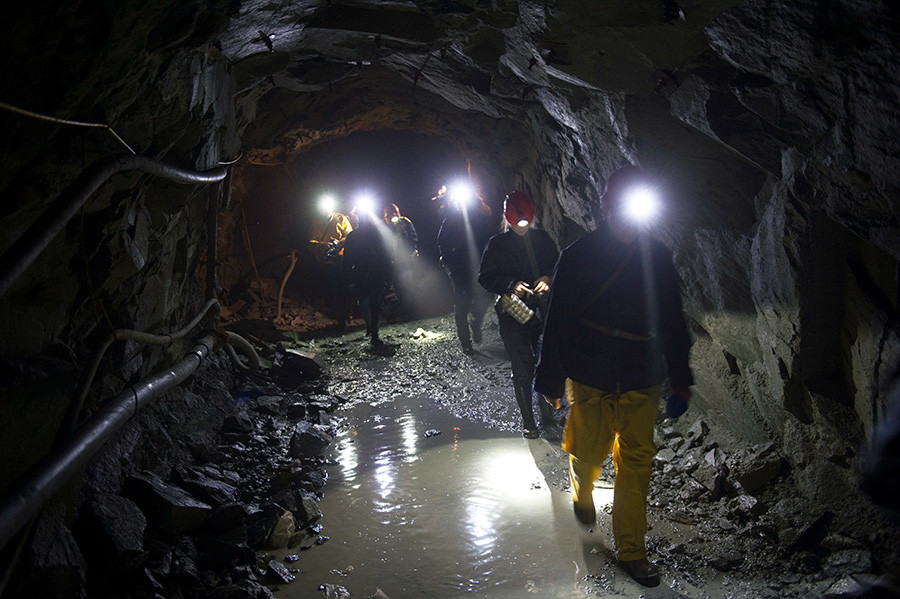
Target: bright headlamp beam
523, 222
326, 204
461, 193
365, 203
641, 205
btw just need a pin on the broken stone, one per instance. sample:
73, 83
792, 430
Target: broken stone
261, 523
725, 560
117, 532
668, 433
691, 460
166, 506
296, 411
334, 591
663, 457
710, 475
836, 542
282, 531
845, 588
292, 367
692, 490
696, 433
746, 506
269, 404
322, 403
755, 470
238, 423
725, 524
308, 510
279, 573
379, 594
433, 432
308, 440
184, 564
848, 561
196, 481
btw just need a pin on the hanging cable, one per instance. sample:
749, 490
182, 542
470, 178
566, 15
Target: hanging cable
60, 121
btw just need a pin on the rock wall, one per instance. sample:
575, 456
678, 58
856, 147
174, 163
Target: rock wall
129, 258
772, 126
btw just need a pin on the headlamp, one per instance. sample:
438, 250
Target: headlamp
365, 203
326, 204
523, 222
641, 205
461, 193
395, 219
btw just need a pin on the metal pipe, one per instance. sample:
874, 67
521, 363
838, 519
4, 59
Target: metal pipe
45, 478
25, 250
233, 339
74, 411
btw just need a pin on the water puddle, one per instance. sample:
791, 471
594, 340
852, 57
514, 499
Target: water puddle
469, 511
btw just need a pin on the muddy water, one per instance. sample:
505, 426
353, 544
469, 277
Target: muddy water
468, 512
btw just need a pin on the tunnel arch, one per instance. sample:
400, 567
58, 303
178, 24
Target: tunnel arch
755, 115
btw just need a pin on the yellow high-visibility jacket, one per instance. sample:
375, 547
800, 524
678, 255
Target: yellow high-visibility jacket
324, 235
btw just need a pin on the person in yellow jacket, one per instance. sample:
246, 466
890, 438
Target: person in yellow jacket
326, 243
327, 237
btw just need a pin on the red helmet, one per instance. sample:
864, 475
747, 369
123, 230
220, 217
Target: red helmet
391, 211
518, 209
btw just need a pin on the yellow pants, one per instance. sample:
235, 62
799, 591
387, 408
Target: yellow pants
598, 422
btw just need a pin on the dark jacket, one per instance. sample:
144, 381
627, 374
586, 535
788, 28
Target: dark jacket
367, 259
510, 257
405, 237
460, 245
642, 331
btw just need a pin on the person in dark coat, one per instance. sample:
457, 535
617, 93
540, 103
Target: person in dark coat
460, 241
615, 332
367, 258
517, 265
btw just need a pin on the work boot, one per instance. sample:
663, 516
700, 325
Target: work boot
523, 398
477, 336
642, 571
587, 515
550, 427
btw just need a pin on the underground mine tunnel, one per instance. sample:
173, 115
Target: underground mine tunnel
183, 417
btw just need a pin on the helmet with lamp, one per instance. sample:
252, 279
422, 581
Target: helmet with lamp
631, 198
518, 209
365, 206
326, 205
391, 213
461, 193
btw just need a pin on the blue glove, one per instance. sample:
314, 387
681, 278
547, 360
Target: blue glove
675, 406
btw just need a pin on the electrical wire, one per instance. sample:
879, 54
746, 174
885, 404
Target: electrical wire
53, 119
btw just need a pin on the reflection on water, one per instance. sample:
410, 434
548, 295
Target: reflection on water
464, 512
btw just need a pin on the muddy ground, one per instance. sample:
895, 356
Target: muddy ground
218, 489
744, 517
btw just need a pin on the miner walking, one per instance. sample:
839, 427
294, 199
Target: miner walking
615, 330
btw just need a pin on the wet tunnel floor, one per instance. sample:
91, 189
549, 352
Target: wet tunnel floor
467, 512
476, 510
